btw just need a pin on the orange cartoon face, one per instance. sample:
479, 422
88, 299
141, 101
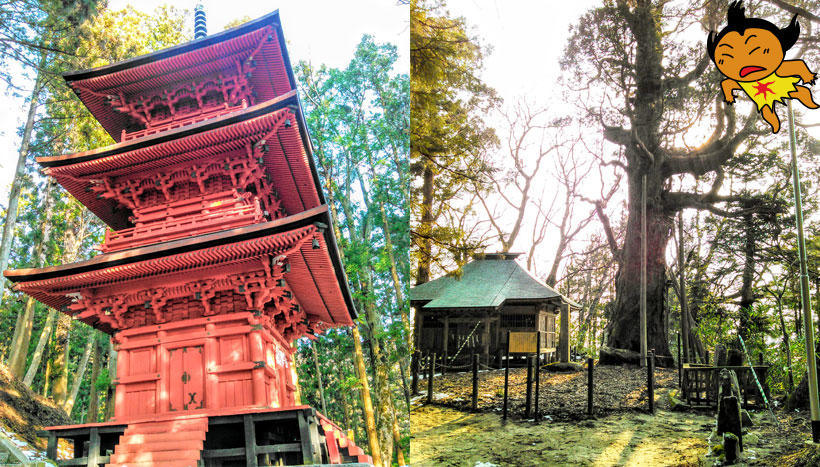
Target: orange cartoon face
750, 56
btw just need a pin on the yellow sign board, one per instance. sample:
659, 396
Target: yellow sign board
523, 342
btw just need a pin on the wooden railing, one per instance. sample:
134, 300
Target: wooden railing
700, 384
155, 232
189, 119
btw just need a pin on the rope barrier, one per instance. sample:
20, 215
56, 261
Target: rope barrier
757, 382
466, 339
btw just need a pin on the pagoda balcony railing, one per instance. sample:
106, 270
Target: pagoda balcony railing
171, 229
188, 119
203, 204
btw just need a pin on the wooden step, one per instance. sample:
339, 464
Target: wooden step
164, 436
198, 424
364, 459
155, 464
157, 446
354, 450
147, 455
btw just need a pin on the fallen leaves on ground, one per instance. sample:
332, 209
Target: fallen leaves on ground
562, 396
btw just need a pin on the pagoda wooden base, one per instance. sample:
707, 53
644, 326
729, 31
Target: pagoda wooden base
290, 436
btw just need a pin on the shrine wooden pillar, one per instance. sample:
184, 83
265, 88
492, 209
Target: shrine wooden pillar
211, 359
163, 389
294, 379
122, 372
258, 373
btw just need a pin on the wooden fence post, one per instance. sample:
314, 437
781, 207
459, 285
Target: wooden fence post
537, 370
475, 382
506, 377
680, 365
414, 385
94, 447
444, 361
590, 367
432, 371
528, 405
650, 380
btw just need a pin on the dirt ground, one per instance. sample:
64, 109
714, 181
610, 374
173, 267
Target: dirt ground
622, 433
24, 412
562, 395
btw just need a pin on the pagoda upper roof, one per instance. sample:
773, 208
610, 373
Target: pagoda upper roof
317, 276
289, 159
210, 55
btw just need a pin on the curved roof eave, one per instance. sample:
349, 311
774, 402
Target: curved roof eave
271, 19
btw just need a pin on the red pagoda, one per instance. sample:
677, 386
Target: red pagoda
219, 255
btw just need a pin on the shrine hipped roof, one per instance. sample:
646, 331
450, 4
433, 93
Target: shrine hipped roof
211, 55
289, 160
487, 282
317, 276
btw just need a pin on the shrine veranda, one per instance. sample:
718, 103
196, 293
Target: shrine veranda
219, 255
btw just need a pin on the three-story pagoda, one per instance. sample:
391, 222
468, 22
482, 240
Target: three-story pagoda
220, 254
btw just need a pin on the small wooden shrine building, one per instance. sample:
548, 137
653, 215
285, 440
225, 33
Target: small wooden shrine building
219, 254
457, 315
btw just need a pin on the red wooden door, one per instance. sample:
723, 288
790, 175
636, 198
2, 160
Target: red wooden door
187, 388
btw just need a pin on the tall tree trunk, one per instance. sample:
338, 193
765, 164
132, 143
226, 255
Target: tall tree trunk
425, 226
404, 386
786, 344
346, 415
17, 183
49, 358
394, 272
62, 339
367, 403
72, 240
684, 304
93, 393
397, 441
384, 398
36, 358
22, 332
622, 332
747, 298
78, 376
319, 376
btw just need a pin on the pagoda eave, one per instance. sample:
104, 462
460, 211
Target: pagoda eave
210, 55
286, 158
315, 273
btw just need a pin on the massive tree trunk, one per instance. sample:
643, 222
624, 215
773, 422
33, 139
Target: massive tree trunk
645, 154
622, 331
25, 322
